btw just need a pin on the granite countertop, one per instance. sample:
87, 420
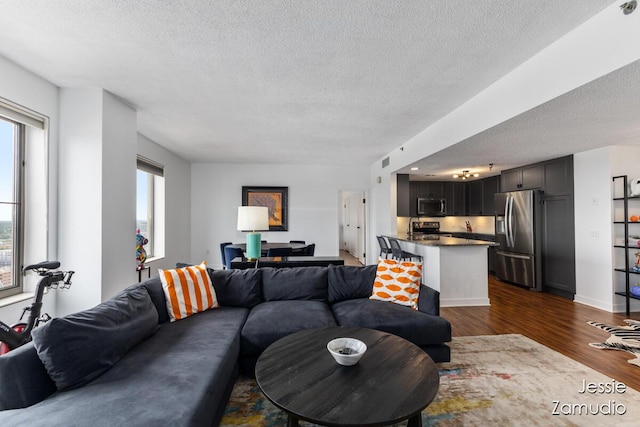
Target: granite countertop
444, 240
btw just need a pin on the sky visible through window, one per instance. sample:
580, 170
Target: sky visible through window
6, 169
142, 206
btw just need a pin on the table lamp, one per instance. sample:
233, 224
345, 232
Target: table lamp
253, 218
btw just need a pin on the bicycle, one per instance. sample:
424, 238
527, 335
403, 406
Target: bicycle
12, 337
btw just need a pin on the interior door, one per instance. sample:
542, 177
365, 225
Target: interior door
362, 229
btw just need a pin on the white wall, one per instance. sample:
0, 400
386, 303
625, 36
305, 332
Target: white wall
119, 149
596, 258
594, 269
177, 182
97, 195
314, 199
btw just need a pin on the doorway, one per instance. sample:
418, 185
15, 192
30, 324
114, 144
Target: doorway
353, 229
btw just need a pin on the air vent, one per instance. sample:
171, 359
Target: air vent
385, 162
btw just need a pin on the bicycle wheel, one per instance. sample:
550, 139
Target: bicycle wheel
18, 327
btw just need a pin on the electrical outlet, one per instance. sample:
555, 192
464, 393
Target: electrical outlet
594, 201
595, 234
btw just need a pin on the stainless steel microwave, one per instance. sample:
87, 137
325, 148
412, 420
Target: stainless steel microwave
431, 207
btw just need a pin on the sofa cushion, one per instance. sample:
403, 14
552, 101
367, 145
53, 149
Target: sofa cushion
188, 291
398, 282
297, 283
77, 348
154, 287
418, 327
23, 379
348, 282
272, 320
237, 288
177, 378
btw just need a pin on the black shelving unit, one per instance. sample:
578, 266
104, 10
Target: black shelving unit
628, 273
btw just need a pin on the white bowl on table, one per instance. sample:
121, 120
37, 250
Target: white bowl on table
346, 351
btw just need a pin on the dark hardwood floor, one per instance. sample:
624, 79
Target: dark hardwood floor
553, 321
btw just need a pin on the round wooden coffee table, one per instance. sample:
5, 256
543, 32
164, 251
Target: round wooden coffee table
393, 381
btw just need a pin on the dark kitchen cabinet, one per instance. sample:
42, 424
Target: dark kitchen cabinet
558, 246
558, 176
491, 259
481, 194
523, 178
455, 195
414, 193
403, 195
490, 186
431, 189
475, 197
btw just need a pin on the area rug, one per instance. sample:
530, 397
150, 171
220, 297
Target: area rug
625, 338
496, 380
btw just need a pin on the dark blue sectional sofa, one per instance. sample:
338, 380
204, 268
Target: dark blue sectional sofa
124, 363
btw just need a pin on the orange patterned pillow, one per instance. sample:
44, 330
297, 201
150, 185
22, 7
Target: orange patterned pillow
398, 282
188, 291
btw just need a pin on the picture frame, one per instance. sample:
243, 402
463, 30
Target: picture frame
274, 198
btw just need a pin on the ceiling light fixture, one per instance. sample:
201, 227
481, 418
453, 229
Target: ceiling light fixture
466, 174
415, 168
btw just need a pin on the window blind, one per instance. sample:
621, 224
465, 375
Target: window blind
19, 114
149, 166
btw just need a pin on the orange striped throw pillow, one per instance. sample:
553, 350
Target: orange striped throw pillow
188, 291
398, 282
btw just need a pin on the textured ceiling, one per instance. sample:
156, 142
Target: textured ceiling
326, 82
595, 115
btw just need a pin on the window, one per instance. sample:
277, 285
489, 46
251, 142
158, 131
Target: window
23, 190
10, 205
150, 205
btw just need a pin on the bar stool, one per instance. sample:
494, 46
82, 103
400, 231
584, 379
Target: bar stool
384, 247
398, 253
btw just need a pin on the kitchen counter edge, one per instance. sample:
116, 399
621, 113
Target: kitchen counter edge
447, 241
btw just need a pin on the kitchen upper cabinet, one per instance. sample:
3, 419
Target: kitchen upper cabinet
481, 194
475, 197
455, 195
431, 189
403, 195
524, 178
558, 176
490, 186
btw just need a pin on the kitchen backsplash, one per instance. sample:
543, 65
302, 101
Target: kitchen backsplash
479, 224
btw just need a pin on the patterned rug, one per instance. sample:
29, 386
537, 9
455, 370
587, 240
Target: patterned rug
625, 338
497, 380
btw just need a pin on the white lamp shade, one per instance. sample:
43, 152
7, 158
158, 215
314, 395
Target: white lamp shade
253, 218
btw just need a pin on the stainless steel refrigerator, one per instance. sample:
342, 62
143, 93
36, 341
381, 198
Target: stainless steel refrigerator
518, 233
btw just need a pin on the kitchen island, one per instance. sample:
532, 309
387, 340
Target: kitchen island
455, 267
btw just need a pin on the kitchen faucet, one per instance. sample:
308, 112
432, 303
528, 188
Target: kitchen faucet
409, 229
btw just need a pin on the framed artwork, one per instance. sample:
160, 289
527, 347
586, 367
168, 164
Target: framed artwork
274, 198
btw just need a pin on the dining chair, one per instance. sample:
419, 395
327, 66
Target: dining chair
230, 253
384, 247
222, 246
400, 254
279, 252
309, 250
